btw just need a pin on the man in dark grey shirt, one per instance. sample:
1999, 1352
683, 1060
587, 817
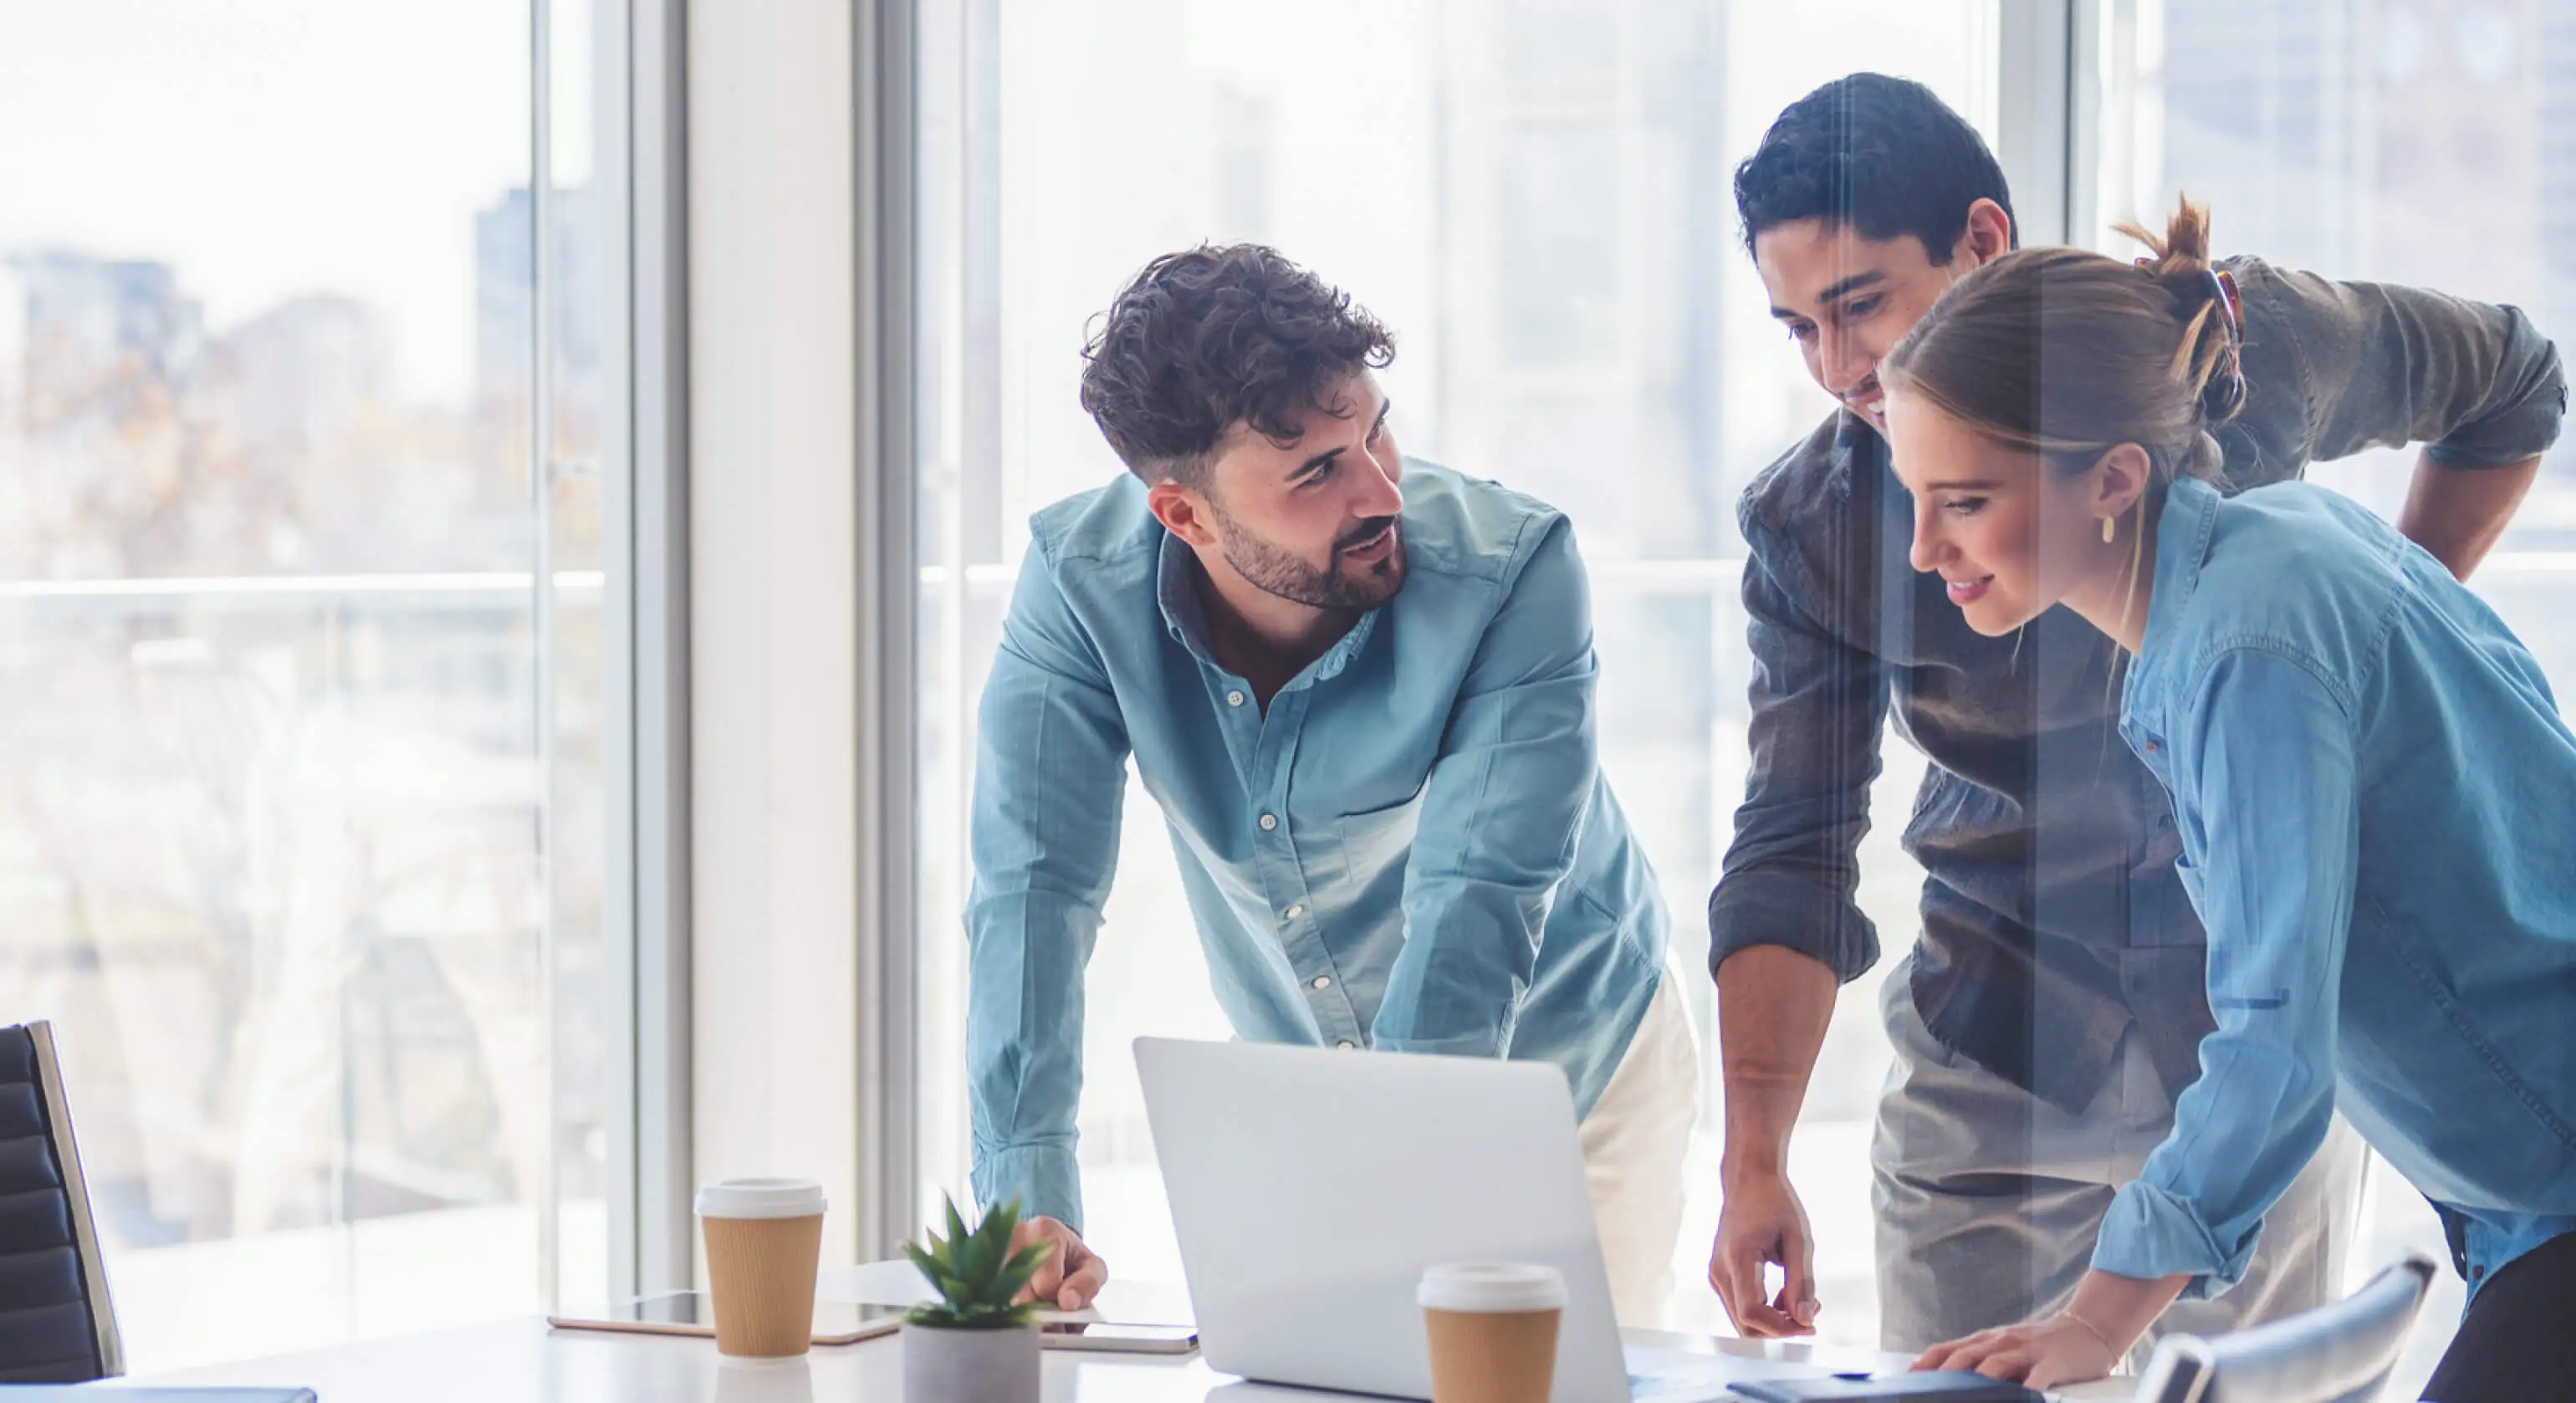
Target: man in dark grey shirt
2054, 1004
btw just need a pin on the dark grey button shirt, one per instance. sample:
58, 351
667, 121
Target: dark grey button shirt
2052, 917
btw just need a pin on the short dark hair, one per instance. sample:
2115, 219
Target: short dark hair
1214, 336
1880, 154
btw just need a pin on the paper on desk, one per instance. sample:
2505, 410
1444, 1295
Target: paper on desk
898, 1283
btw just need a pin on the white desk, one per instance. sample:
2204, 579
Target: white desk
524, 1362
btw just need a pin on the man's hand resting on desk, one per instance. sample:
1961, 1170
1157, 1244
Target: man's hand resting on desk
1070, 1276
1763, 1221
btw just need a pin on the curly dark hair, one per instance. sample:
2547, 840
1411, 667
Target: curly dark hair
1215, 336
1883, 155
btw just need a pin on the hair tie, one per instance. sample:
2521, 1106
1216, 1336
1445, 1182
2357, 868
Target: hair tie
2222, 291
2223, 284
2225, 394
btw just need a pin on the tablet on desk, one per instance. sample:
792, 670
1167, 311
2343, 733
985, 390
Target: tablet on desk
690, 1313
1119, 1337
1947, 1386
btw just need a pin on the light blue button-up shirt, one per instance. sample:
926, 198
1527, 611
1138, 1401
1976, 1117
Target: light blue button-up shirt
1414, 850
2377, 804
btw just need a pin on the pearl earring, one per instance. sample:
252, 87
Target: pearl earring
2106, 530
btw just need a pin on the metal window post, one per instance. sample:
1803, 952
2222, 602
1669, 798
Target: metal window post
884, 68
645, 534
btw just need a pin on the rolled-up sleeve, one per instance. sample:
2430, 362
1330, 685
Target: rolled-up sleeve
1503, 808
1792, 872
2264, 779
1050, 780
2475, 382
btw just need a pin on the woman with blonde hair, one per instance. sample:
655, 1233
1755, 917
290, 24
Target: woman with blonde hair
2375, 792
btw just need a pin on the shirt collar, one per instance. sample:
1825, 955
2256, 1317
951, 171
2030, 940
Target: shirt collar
2183, 528
1176, 589
1858, 445
1176, 573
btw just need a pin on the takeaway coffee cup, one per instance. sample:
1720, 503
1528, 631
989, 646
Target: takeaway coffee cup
764, 1241
1493, 1330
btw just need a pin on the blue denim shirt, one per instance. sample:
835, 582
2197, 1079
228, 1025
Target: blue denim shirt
1413, 851
2377, 803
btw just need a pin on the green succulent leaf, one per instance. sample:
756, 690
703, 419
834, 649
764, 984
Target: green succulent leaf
976, 1271
931, 1268
1028, 1258
1023, 1265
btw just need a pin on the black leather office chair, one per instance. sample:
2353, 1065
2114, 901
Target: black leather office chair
2340, 1353
56, 1323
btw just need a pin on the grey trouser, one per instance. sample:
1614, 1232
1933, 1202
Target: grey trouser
1989, 1198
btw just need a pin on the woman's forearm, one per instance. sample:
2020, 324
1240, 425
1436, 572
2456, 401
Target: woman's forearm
2120, 1308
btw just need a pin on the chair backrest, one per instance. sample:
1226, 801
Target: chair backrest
2339, 1353
56, 1322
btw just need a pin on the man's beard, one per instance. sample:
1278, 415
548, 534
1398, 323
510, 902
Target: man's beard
1275, 571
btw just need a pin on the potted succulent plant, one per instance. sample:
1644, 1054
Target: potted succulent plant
974, 1344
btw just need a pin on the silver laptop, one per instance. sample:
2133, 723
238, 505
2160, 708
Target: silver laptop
1310, 1189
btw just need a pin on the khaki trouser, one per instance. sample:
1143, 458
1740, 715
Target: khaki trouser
1636, 1144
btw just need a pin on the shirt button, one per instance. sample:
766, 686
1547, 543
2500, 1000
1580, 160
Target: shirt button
2153, 747
1296, 911
1268, 822
1323, 981
1234, 698
1345, 1045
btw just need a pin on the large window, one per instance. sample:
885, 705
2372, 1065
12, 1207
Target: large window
303, 840
1535, 196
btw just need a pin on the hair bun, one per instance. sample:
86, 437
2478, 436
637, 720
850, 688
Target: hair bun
2207, 306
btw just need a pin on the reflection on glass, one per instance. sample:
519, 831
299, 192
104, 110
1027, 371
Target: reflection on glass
268, 837
1535, 196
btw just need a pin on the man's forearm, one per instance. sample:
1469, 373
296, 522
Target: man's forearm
2459, 513
1773, 1005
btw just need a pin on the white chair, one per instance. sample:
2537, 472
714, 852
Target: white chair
2340, 1353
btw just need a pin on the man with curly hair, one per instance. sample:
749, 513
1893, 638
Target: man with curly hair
1361, 691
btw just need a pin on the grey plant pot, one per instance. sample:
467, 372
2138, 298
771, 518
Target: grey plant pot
970, 1366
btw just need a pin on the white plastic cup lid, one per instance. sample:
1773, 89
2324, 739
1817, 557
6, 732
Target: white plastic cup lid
1492, 1287
761, 1198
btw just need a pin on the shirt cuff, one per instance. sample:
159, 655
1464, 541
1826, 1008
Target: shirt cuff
2152, 1232
1044, 1178
1755, 907
2524, 431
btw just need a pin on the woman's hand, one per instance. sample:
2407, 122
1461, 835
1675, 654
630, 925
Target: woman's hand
2061, 1349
